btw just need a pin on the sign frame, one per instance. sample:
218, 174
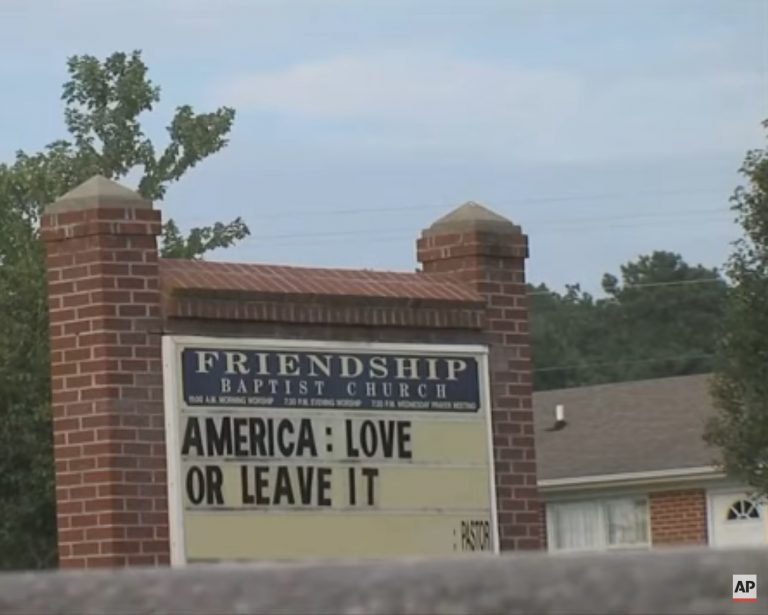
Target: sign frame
172, 346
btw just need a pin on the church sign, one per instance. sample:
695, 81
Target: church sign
282, 449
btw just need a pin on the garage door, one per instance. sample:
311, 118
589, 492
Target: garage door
737, 520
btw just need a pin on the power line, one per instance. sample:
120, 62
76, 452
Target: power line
575, 224
567, 225
392, 235
560, 368
523, 201
649, 214
288, 213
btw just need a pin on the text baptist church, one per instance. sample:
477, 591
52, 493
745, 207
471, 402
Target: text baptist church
308, 375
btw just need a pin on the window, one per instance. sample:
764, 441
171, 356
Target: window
742, 510
598, 524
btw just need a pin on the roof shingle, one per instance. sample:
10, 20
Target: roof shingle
627, 427
203, 276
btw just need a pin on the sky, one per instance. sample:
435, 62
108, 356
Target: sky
606, 129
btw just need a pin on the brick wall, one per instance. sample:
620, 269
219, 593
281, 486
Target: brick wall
111, 300
106, 383
678, 517
493, 263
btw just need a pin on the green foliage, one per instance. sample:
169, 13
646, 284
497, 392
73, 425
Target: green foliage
103, 103
565, 331
201, 240
27, 517
660, 319
740, 429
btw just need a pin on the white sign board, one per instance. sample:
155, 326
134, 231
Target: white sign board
281, 449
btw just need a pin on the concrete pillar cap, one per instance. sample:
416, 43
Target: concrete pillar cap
98, 192
472, 216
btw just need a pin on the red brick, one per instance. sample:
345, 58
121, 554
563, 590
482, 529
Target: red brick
477, 263
60, 289
103, 392
78, 300
66, 315
82, 463
83, 520
78, 382
110, 296
82, 493
118, 489
68, 452
140, 532
124, 519
101, 504
63, 425
71, 273
143, 560
71, 535
678, 517
97, 282
85, 548
102, 476
494, 267
133, 310
154, 546
126, 547
109, 269
105, 561
113, 378
79, 354
100, 310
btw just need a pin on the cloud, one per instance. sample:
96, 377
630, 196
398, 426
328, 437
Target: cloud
399, 86
415, 100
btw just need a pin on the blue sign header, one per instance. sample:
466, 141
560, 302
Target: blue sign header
215, 377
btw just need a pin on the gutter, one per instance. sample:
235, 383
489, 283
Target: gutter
628, 479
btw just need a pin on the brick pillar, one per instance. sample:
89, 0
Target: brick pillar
475, 246
107, 391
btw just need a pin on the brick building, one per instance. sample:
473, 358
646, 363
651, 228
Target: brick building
627, 468
113, 301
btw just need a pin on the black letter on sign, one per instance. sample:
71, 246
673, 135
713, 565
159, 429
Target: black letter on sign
351, 450
352, 488
246, 492
205, 485
371, 474
369, 439
283, 487
241, 438
192, 438
262, 482
286, 448
404, 440
219, 442
324, 486
195, 485
306, 439
214, 479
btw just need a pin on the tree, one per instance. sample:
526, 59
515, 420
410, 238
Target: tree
740, 428
565, 331
103, 103
662, 320
659, 320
